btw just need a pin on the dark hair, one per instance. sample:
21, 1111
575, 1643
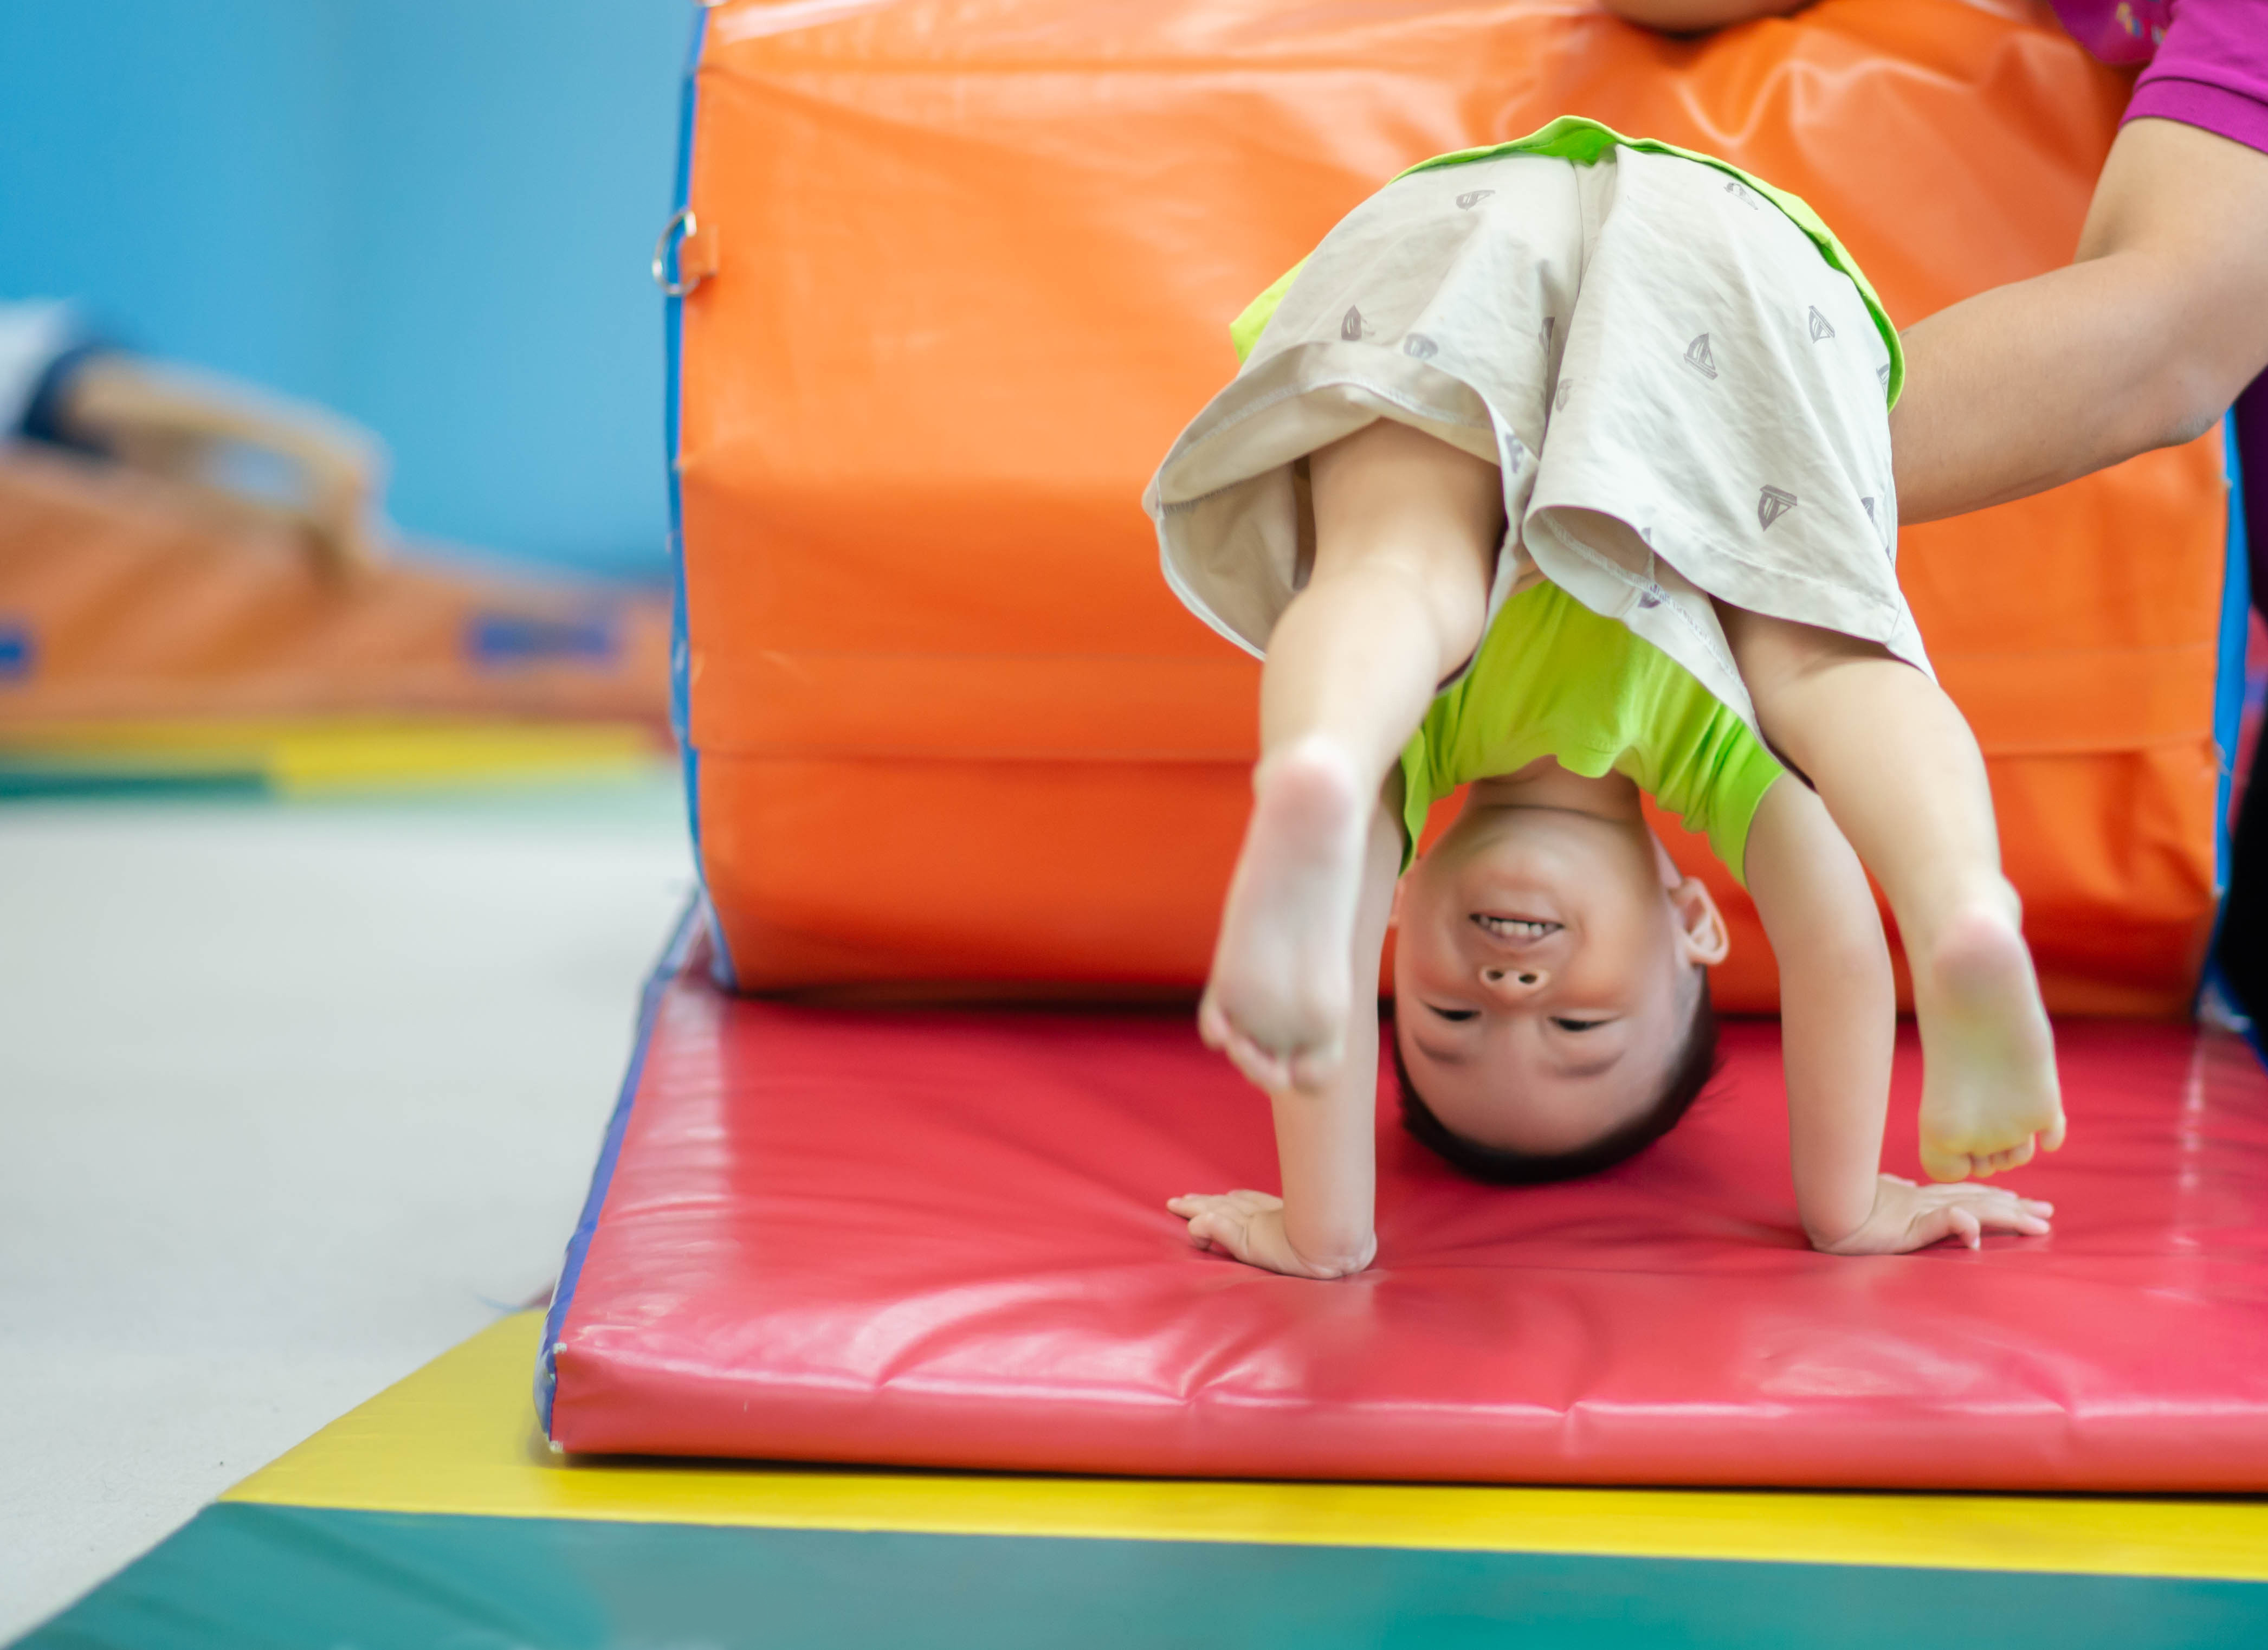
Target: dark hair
1507, 1165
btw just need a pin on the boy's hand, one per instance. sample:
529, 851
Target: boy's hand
1906, 1216
1249, 1226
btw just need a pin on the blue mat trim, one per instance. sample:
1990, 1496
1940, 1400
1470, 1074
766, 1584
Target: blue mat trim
680, 687
2229, 688
689, 927
2236, 631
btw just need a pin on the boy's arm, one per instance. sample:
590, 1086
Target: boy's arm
1326, 1141
1839, 1021
1839, 1004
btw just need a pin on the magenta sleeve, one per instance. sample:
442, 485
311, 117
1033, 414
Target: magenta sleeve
2211, 71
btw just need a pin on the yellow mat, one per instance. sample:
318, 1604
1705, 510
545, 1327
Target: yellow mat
320, 755
459, 1436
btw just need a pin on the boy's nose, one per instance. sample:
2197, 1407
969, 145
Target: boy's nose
1512, 981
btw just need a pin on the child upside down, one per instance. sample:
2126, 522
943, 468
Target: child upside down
1595, 433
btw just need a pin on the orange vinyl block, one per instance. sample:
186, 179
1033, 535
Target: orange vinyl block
970, 265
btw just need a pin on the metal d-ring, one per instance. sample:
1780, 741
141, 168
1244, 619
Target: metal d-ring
682, 219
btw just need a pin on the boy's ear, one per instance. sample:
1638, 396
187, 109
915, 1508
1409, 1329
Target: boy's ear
1393, 912
1701, 925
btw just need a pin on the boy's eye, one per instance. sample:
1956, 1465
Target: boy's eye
1454, 1015
1577, 1025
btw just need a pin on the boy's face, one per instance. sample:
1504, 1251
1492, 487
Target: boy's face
1543, 974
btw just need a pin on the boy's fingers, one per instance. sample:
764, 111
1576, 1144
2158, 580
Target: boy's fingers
2010, 1215
1931, 1226
1943, 1220
1212, 1230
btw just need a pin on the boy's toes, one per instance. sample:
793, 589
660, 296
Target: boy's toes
2000, 1162
1264, 1067
1943, 1165
2052, 1137
1213, 1028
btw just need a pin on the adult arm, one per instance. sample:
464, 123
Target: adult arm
1838, 1015
1694, 16
179, 423
2142, 342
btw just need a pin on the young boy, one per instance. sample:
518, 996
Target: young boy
1595, 433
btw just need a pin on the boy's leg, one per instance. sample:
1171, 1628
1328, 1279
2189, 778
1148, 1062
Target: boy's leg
1406, 534
1900, 771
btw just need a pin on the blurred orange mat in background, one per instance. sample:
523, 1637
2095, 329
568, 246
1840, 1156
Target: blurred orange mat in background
151, 642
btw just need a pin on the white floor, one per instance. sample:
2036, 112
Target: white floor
293, 1097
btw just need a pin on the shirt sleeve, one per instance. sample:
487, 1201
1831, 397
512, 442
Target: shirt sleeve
2210, 71
34, 337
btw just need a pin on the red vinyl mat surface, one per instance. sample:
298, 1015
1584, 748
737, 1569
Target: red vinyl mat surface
938, 1238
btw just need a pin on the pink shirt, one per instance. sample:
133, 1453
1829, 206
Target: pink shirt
2208, 59
2208, 67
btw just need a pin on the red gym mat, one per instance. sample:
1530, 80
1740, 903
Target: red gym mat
938, 1238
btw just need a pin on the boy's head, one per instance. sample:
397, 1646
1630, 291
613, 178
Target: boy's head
1551, 1002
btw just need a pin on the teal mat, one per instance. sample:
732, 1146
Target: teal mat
249, 1577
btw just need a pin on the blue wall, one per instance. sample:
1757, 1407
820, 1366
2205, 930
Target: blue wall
433, 215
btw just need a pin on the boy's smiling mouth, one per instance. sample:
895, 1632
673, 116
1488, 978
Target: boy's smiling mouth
1499, 925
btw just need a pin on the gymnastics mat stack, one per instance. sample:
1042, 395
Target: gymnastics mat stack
955, 273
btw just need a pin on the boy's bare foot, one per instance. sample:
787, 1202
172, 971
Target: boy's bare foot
1277, 1002
1988, 1089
